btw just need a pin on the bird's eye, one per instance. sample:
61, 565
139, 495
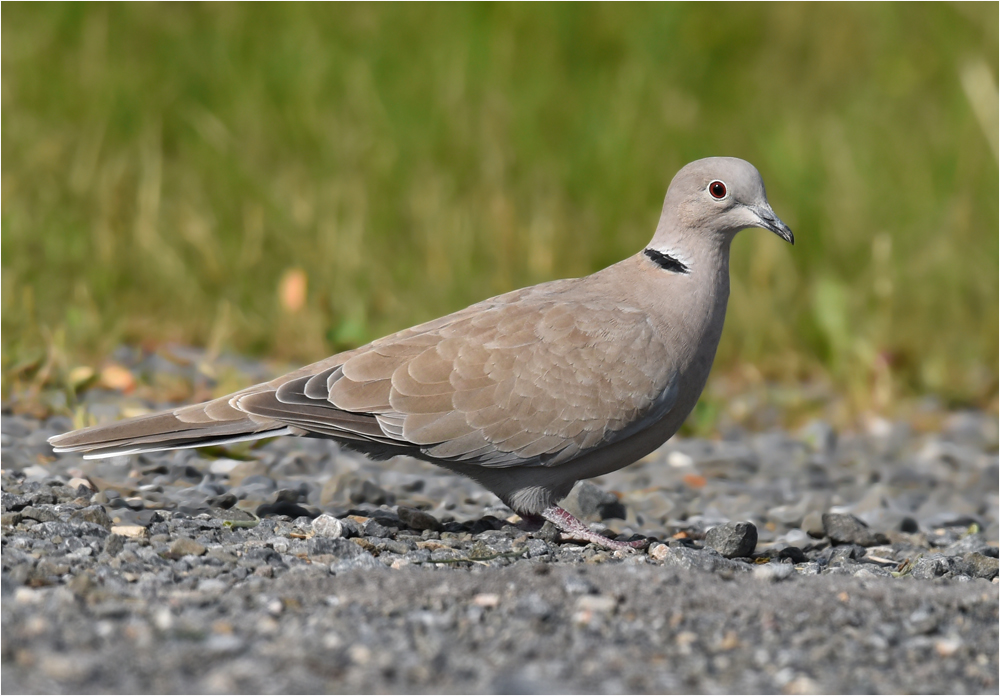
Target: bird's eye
717, 189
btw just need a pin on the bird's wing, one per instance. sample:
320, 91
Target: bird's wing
536, 376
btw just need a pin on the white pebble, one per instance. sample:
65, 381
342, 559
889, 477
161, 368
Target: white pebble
773, 571
328, 526
679, 459
223, 467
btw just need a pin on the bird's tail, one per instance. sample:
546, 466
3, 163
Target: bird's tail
201, 425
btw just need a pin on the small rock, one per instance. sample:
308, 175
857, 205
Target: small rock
350, 557
946, 647
374, 528
733, 540
222, 467
284, 507
596, 604
870, 570
981, 566
970, 543
13, 503
848, 529
224, 501
221, 554
532, 606
592, 503
76, 482
364, 491
328, 546
114, 544
924, 620
132, 531
328, 526
490, 523
845, 552
40, 514
186, 547
233, 515
937, 566
417, 519
486, 600
658, 551
707, 561
95, 513
773, 572
575, 584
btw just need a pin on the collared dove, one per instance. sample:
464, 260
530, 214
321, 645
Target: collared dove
526, 393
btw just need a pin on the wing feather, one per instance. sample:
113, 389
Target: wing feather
528, 378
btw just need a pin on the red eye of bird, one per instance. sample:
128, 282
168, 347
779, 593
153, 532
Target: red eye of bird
717, 189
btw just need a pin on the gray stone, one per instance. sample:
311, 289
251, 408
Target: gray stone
40, 514
114, 544
417, 519
970, 543
733, 540
845, 552
937, 566
374, 528
981, 566
12, 503
591, 503
704, 561
186, 547
848, 529
924, 620
364, 491
350, 556
94, 513
331, 546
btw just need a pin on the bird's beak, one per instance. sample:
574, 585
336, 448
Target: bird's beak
770, 221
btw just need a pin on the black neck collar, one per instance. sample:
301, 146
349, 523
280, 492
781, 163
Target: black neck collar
666, 261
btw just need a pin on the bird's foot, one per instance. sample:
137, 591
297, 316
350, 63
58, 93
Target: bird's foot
572, 528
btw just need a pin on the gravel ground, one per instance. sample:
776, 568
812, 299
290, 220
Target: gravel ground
806, 562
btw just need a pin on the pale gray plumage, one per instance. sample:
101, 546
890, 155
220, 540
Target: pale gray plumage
527, 392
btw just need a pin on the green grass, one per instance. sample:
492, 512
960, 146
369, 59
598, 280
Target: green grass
164, 165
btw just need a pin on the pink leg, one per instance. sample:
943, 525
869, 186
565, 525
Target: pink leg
573, 528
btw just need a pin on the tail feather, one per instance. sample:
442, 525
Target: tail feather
111, 451
202, 425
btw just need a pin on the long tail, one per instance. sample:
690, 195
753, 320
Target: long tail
201, 425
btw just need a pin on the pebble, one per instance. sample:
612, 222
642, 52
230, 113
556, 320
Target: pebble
773, 572
733, 539
133, 531
328, 526
848, 529
185, 546
591, 503
417, 519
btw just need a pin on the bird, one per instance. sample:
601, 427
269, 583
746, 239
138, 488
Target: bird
527, 392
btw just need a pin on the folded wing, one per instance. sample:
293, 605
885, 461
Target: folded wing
534, 377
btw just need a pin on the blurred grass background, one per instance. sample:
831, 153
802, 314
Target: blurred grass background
289, 180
